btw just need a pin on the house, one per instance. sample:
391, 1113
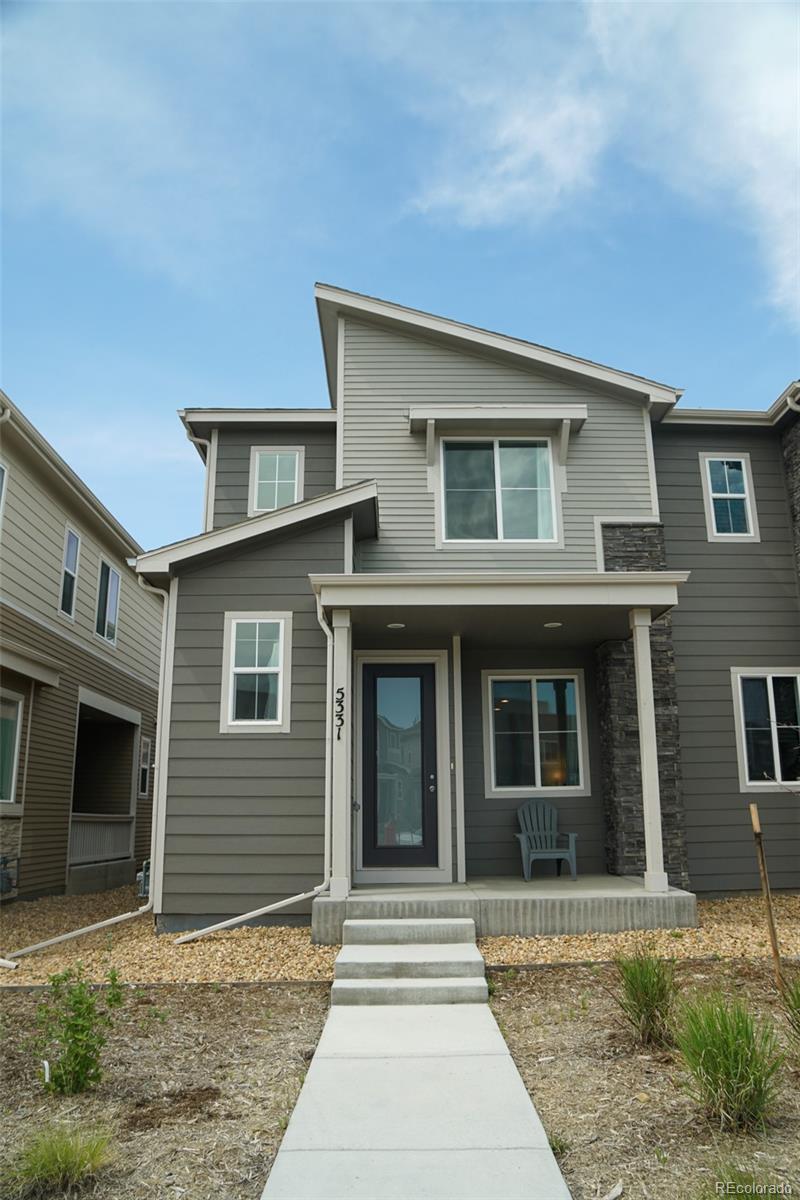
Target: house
79, 657
489, 572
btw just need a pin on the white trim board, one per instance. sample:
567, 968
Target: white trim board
443, 873
113, 707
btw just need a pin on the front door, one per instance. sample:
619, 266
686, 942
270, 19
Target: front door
399, 781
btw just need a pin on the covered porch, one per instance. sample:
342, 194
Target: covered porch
427, 780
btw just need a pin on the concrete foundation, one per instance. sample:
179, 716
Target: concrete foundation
100, 877
592, 904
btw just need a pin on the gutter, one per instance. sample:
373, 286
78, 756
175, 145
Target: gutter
160, 733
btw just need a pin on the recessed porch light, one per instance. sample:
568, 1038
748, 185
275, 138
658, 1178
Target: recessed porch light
395, 625
553, 624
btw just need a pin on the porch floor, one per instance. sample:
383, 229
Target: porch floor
507, 905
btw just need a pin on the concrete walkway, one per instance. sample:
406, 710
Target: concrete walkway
414, 1102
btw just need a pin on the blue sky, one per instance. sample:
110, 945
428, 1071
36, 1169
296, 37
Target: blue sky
618, 181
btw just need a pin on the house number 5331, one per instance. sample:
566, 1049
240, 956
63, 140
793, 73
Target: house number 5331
339, 716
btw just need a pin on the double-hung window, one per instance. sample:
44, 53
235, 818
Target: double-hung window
769, 726
107, 602
728, 498
145, 751
534, 731
498, 489
10, 729
256, 673
276, 478
69, 573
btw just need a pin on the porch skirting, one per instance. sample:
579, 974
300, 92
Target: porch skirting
592, 904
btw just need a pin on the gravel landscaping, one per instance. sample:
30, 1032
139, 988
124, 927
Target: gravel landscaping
199, 1083
616, 1114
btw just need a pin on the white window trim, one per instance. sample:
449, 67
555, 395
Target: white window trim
282, 723
492, 792
498, 541
299, 482
100, 636
19, 699
145, 763
737, 675
70, 529
706, 457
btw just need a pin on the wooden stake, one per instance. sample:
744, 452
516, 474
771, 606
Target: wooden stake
762, 867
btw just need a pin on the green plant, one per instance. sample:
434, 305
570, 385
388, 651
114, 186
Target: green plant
790, 998
56, 1159
646, 994
558, 1144
732, 1059
739, 1181
71, 1021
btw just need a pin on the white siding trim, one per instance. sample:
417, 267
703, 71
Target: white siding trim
282, 723
707, 456
651, 461
339, 402
737, 674
458, 761
210, 491
164, 737
4, 491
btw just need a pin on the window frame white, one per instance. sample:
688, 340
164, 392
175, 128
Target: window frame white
282, 722
492, 791
107, 641
70, 616
495, 440
737, 675
145, 764
706, 457
299, 482
19, 700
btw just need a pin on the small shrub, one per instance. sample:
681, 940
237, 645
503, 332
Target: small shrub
733, 1060
72, 1020
558, 1144
790, 998
646, 995
56, 1159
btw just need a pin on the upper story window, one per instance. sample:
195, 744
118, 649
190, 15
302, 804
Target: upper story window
276, 478
728, 498
534, 732
498, 489
69, 573
256, 682
768, 726
107, 602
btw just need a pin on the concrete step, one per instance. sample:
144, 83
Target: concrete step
398, 931
422, 960
410, 991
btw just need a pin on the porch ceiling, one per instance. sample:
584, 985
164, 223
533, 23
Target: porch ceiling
580, 625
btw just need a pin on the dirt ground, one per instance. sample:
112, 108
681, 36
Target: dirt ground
732, 928
198, 1087
619, 1114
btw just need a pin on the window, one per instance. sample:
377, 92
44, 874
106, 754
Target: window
69, 575
498, 490
145, 748
10, 728
768, 726
276, 478
728, 498
256, 673
107, 602
534, 732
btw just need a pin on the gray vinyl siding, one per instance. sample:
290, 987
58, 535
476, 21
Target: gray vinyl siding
47, 755
385, 373
233, 465
245, 812
739, 609
491, 822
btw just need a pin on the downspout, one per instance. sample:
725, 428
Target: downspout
321, 887
139, 912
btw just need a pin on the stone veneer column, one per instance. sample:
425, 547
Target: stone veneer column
639, 548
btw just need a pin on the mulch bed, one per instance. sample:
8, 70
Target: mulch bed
199, 1083
620, 1114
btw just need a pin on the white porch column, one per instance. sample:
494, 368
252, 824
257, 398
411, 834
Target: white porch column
655, 878
342, 735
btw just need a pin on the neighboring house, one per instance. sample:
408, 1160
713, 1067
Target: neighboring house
80, 663
478, 579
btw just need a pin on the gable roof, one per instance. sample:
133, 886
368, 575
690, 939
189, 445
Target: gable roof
333, 302
359, 499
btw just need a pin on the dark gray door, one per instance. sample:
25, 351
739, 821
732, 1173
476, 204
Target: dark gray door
399, 783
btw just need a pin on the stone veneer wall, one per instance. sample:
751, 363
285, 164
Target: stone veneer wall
639, 548
790, 445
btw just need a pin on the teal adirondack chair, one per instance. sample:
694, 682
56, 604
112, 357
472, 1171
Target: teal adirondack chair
540, 837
